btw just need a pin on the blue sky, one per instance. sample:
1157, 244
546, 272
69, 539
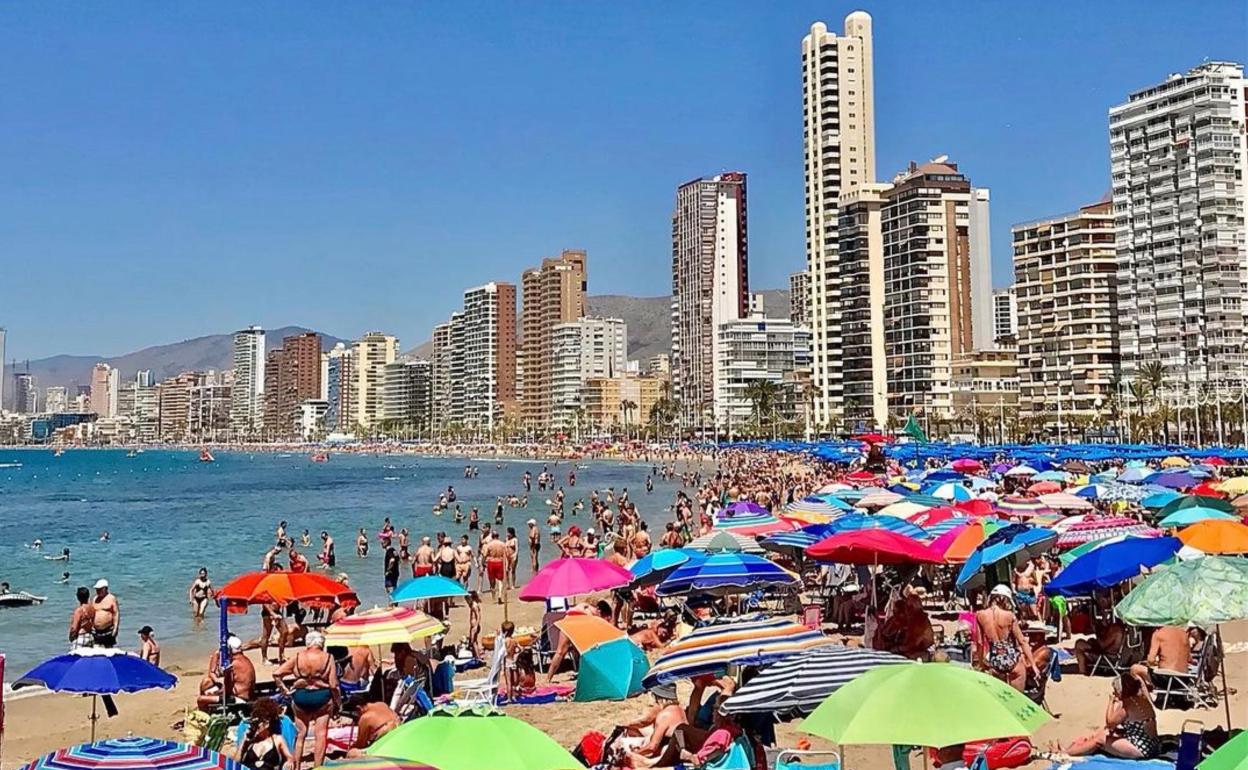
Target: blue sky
177, 169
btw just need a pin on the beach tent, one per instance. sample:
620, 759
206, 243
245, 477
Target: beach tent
611, 671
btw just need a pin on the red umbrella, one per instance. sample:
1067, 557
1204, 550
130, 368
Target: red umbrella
1207, 489
1216, 462
860, 476
281, 587
974, 507
1044, 488
967, 465
872, 438
871, 546
935, 516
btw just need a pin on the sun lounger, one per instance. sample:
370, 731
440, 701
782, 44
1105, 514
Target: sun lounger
484, 690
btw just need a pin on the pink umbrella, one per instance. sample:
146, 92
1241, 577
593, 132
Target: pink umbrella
967, 465
573, 577
1090, 529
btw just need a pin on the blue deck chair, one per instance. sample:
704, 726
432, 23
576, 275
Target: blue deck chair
791, 759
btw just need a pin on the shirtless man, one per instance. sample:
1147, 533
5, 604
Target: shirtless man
269, 562
358, 671
671, 538
641, 541
107, 619
535, 543
463, 561
494, 558
82, 621
242, 675
327, 551
376, 719
422, 561
1169, 649
1108, 636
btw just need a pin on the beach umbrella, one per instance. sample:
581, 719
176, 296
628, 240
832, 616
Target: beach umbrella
478, 739
1013, 540
1207, 591
975, 507
726, 573
1112, 564
96, 671
1090, 491
1136, 475
1064, 501
967, 465
949, 491
1013, 507
428, 587
1021, 470
1185, 516
1173, 479
1175, 462
1217, 536
725, 541
796, 685
374, 763
856, 521
588, 631
1232, 755
1044, 488
903, 510
747, 521
1195, 501
1129, 492
930, 517
1091, 545
1076, 466
743, 508
282, 587
871, 546
925, 704
1104, 476
1160, 499
957, 545
611, 671
1058, 477
1234, 486
1208, 489
1099, 528
750, 641
798, 540
574, 577
656, 565
948, 525
132, 753
878, 499
382, 626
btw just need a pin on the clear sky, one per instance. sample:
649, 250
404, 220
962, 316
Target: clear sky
175, 169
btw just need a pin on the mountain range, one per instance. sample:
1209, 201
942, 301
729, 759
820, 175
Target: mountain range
648, 319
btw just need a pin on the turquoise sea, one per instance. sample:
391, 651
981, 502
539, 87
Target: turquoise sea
167, 514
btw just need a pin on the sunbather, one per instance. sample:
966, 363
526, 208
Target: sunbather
1130, 729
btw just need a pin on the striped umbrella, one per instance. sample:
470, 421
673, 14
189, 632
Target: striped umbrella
857, 521
747, 521
1020, 507
653, 567
956, 545
725, 541
741, 641
798, 540
878, 499
725, 573
950, 491
133, 754
1101, 528
382, 626
800, 683
948, 525
1064, 501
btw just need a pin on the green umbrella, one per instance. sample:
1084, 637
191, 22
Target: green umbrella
929, 704
611, 671
473, 740
1233, 755
1196, 501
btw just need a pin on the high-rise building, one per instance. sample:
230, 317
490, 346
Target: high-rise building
582, 350
710, 284
208, 406
247, 395
983, 301
292, 375
56, 399
3, 339
440, 376
407, 395
1179, 165
752, 350
101, 390
799, 298
25, 394
927, 284
1065, 279
838, 108
459, 368
618, 402
551, 294
340, 389
1004, 318
372, 353
147, 410
864, 365
173, 399
483, 368
143, 378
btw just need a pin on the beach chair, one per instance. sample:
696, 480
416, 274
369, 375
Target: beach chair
1195, 684
485, 689
1131, 651
792, 759
739, 756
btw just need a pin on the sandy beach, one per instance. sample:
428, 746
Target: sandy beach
36, 725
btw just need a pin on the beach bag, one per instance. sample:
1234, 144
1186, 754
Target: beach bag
589, 751
1006, 752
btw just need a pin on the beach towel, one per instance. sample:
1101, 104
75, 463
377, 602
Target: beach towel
546, 694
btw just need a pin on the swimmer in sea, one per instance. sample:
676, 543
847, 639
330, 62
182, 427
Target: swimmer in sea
64, 556
64, 578
37, 544
305, 539
103, 537
361, 543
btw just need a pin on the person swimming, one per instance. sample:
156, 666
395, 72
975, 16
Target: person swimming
62, 556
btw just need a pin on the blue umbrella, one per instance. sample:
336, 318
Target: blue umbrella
1173, 480
1135, 475
1185, 516
1111, 564
428, 587
1008, 541
657, 565
856, 521
949, 491
730, 572
1160, 499
798, 540
96, 671
834, 504
1059, 476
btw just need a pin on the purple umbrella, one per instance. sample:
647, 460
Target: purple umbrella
1175, 480
744, 508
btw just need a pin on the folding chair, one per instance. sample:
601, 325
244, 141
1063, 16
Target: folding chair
1192, 685
485, 690
1131, 651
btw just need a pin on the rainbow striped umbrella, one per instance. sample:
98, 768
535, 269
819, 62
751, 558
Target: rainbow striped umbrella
382, 626
753, 641
1021, 507
748, 519
133, 754
1100, 528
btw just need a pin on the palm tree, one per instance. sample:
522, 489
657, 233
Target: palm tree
763, 394
628, 407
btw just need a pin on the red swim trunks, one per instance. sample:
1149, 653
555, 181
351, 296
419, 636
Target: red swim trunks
494, 569
420, 570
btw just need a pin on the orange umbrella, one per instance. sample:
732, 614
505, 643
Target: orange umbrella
1216, 536
587, 631
281, 587
957, 545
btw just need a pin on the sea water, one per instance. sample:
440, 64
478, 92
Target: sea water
167, 514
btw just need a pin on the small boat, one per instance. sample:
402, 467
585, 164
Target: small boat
58, 452
320, 457
20, 599
10, 465
132, 453
206, 457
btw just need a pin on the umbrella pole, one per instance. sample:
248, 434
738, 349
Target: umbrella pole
1226, 693
95, 717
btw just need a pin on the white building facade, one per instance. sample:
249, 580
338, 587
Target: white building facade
754, 349
583, 349
247, 394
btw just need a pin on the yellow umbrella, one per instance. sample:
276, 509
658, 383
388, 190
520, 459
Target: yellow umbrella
382, 626
1174, 462
1234, 486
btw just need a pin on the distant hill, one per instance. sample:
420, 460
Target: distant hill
201, 353
649, 320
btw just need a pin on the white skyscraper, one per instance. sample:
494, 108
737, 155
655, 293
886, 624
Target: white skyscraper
3, 334
247, 396
1179, 164
710, 284
982, 302
581, 350
839, 115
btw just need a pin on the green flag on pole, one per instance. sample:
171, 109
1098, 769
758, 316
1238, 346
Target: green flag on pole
914, 431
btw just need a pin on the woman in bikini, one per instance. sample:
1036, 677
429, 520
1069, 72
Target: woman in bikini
314, 693
1130, 730
263, 748
1005, 652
